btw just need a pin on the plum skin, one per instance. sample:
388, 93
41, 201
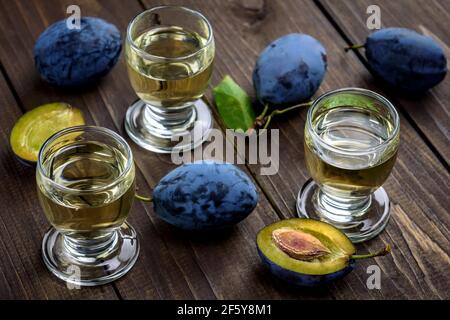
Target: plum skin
289, 70
406, 59
302, 279
205, 195
77, 57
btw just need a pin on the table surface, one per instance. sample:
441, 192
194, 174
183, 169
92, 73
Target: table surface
177, 265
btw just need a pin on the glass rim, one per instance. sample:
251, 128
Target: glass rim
149, 56
359, 91
90, 128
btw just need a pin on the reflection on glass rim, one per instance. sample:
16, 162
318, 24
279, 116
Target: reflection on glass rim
85, 128
356, 91
149, 56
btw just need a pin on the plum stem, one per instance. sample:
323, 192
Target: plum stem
260, 119
277, 111
384, 251
355, 46
141, 198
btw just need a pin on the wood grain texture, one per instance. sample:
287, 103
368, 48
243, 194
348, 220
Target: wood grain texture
172, 264
430, 111
418, 184
23, 274
204, 259
175, 264
157, 275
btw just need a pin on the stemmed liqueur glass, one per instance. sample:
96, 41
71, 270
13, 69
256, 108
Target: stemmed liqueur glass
351, 143
86, 185
169, 53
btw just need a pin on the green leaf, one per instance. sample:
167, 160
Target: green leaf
234, 105
350, 99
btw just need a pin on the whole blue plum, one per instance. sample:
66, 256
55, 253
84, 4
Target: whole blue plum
205, 195
405, 59
289, 70
76, 57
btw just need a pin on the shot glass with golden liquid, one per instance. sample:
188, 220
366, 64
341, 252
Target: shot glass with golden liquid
351, 142
169, 53
86, 185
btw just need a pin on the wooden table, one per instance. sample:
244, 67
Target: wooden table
176, 265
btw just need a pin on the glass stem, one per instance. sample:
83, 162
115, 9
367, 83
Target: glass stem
338, 207
90, 245
168, 121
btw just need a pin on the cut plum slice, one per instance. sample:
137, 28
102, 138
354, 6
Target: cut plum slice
307, 252
36, 126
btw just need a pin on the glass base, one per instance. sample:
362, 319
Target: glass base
91, 263
165, 132
358, 226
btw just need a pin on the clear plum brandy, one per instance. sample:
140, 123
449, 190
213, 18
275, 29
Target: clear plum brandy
89, 203
351, 129
170, 82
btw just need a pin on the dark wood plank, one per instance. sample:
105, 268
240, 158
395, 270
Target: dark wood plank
430, 111
172, 264
23, 275
178, 265
418, 185
163, 279
243, 278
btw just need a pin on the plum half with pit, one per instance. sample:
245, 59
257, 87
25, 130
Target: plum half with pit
307, 252
289, 70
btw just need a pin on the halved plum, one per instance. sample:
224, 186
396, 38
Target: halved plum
307, 252
37, 125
